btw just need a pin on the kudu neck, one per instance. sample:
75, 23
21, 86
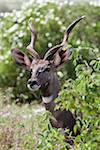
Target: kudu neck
50, 92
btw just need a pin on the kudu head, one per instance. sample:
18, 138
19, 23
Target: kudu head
42, 70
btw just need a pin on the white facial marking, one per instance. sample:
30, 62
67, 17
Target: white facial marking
47, 99
33, 89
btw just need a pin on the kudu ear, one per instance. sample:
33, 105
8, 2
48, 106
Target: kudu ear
61, 57
21, 59
57, 54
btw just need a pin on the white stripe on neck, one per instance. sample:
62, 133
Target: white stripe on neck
47, 99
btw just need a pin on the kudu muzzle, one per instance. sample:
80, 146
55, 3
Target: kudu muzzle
33, 84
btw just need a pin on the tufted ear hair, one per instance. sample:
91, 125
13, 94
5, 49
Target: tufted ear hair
21, 59
61, 57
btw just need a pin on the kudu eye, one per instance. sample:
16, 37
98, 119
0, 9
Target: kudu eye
47, 69
43, 70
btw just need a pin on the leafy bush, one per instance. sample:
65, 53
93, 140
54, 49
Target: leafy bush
50, 20
82, 96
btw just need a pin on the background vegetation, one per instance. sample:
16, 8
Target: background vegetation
81, 91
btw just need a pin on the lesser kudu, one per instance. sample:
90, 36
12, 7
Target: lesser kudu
43, 75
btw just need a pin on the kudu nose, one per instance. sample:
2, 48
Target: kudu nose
32, 83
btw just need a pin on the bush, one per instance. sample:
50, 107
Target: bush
50, 20
82, 96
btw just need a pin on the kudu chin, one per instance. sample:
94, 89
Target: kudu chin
44, 77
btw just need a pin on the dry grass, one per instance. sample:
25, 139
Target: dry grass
19, 126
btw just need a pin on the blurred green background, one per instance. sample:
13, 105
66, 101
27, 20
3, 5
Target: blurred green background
9, 5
